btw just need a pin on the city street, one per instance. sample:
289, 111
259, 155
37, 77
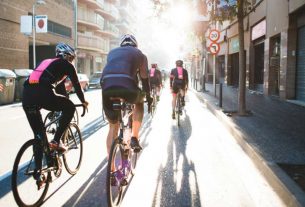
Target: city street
198, 164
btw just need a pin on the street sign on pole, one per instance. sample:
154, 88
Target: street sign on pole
26, 25
214, 48
41, 23
214, 35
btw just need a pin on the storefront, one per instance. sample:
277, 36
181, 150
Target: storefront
233, 62
300, 73
258, 39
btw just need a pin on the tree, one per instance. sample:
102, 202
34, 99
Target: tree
225, 10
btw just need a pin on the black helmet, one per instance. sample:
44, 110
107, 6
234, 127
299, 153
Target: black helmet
128, 40
63, 49
179, 63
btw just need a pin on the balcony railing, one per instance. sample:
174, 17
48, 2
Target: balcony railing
91, 42
112, 29
90, 17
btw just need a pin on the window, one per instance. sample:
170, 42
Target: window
56, 28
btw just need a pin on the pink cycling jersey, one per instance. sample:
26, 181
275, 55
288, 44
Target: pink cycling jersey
36, 74
152, 72
180, 72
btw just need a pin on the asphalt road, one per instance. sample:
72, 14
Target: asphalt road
197, 164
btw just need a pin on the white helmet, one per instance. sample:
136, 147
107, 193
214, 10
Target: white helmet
128, 40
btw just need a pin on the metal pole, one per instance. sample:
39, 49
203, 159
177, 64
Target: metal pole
214, 74
220, 95
75, 28
34, 38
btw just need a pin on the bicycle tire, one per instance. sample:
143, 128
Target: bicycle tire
73, 140
178, 109
26, 177
133, 157
118, 189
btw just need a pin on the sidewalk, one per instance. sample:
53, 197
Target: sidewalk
273, 136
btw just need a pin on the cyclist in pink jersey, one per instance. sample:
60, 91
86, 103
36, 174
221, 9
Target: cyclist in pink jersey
155, 78
178, 81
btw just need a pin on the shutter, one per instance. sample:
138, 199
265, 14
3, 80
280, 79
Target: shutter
300, 84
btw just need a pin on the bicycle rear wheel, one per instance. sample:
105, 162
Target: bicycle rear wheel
24, 185
73, 156
178, 108
114, 189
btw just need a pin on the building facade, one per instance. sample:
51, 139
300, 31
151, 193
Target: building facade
16, 48
274, 48
95, 31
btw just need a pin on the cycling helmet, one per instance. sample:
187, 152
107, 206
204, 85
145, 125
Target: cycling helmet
128, 40
179, 63
154, 65
63, 49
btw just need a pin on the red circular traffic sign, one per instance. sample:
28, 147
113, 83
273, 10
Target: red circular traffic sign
214, 35
40, 23
214, 48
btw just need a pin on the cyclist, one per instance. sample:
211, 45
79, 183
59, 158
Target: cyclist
155, 79
178, 82
120, 79
39, 92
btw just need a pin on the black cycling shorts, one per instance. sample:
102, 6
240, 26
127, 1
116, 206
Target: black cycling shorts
176, 87
131, 96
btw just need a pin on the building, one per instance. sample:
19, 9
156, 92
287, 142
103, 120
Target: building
95, 30
274, 48
16, 48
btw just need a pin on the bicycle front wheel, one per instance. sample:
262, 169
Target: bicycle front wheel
73, 156
114, 188
24, 187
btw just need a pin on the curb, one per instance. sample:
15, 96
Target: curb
282, 184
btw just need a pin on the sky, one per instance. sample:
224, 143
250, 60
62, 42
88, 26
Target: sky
164, 39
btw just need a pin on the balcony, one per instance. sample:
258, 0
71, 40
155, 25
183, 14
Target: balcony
90, 42
90, 19
110, 31
108, 11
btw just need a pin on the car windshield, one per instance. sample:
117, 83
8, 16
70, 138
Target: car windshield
96, 75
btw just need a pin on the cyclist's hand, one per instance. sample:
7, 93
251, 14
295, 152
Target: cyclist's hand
86, 104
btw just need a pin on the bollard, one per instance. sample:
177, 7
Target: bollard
220, 95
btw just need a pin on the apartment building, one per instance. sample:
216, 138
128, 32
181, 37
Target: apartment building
16, 48
274, 48
95, 30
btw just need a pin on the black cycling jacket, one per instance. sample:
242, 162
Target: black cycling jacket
122, 69
54, 74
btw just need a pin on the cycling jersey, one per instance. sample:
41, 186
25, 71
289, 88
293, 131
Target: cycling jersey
155, 77
179, 78
52, 73
123, 65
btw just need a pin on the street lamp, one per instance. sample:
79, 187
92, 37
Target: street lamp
38, 2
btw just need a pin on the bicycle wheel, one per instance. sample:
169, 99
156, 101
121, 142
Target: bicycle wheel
51, 128
114, 189
24, 185
178, 109
73, 156
133, 157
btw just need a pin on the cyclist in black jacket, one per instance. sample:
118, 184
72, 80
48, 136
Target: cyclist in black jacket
39, 92
120, 79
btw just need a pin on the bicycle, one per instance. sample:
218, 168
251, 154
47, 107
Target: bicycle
122, 159
36, 152
154, 102
179, 107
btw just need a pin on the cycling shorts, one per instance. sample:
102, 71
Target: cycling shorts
131, 96
176, 87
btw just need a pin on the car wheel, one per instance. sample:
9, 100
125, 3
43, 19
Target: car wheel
86, 87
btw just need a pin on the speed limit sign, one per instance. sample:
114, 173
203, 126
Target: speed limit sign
214, 48
214, 35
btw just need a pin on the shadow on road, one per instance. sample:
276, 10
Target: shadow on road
177, 181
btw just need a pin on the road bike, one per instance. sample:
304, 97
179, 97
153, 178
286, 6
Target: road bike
179, 107
155, 101
122, 159
35, 158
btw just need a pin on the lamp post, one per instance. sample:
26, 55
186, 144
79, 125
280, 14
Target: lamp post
38, 2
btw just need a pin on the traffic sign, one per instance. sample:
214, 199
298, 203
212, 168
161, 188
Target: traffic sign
214, 48
41, 24
214, 35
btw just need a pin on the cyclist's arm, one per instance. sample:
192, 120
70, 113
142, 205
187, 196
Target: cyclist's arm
187, 79
61, 89
144, 75
74, 79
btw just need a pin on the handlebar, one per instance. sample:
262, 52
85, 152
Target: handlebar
84, 108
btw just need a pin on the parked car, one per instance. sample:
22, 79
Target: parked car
83, 80
94, 81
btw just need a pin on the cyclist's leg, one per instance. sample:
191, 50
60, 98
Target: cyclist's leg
112, 117
174, 93
55, 102
182, 92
